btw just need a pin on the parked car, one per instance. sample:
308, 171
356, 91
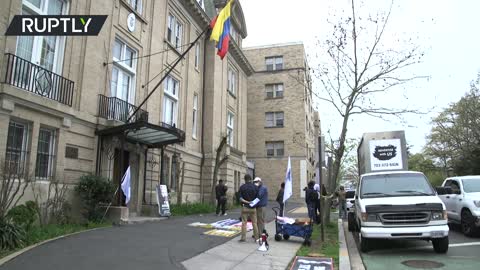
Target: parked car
398, 205
350, 196
462, 200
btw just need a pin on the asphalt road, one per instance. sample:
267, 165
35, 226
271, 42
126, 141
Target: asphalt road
463, 253
159, 245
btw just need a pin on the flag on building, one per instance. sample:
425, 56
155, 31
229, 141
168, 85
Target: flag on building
287, 193
221, 29
126, 185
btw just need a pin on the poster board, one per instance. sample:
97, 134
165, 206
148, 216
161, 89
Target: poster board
162, 201
386, 155
312, 263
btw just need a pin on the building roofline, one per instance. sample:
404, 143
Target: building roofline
273, 45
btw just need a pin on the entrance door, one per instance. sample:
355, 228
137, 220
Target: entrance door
118, 172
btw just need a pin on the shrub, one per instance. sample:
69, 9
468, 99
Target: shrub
24, 215
191, 209
94, 190
11, 235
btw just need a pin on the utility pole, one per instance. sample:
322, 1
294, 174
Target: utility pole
320, 178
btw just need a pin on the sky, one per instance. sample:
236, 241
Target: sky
445, 30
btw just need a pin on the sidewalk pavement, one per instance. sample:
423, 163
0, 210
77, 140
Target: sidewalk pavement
244, 255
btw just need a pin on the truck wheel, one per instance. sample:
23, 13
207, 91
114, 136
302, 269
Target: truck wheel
468, 223
364, 243
440, 245
351, 222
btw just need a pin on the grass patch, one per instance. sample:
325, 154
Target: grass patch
329, 248
39, 234
186, 209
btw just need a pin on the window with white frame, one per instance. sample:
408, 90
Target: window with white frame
232, 80
136, 5
274, 63
122, 84
174, 31
230, 128
45, 154
194, 116
17, 148
274, 149
274, 90
274, 119
45, 51
197, 55
170, 100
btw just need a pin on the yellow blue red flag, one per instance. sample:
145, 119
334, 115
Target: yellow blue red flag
221, 29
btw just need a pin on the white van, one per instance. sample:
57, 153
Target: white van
398, 205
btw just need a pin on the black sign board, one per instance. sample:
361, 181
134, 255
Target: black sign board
312, 263
162, 200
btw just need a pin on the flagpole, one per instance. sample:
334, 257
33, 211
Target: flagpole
168, 72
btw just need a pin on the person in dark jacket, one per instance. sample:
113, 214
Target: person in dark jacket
221, 195
280, 198
311, 198
248, 193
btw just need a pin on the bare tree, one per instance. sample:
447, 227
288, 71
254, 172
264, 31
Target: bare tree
219, 160
180, 175
13, 183
359, 67
52, 205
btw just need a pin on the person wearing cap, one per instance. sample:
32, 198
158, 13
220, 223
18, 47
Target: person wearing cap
263, 197
248, 193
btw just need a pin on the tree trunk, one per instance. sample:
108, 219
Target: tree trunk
218, 163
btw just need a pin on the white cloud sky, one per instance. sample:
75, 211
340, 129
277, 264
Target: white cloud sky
447, 30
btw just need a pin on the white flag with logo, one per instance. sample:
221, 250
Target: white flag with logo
126, 185
287, 193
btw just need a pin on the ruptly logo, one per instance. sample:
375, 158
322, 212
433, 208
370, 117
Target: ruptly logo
56, 25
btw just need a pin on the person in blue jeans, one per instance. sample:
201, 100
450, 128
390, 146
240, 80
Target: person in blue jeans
263, 197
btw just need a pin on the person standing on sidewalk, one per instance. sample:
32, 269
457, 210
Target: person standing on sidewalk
311, 197
342, 202
318, 213
248, 193
221, 195
263, 197
280, 198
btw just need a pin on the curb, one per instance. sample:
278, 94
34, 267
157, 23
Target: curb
356, 261
344, 257
21, 251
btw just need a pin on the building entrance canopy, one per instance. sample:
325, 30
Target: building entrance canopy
144, 133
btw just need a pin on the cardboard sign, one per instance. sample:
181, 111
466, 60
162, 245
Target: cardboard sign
312, 263
386, 155
162, 201
223, 233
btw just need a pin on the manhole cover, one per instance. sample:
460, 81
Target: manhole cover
422, 264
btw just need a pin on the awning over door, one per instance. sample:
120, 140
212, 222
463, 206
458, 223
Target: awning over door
150, 135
